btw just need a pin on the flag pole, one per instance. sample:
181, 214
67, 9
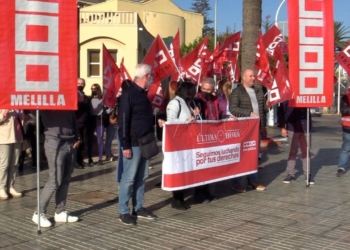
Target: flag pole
308, 174
38, 167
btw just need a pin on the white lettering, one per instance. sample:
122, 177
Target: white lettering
162, 59
35, 99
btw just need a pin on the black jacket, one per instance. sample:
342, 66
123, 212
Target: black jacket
83, 111
294, 119
241, 106
134, 116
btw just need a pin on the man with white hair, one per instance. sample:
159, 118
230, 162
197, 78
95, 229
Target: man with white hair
135, 120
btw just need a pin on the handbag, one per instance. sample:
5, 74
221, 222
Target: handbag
148, 146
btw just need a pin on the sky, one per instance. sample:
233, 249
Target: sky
229, 12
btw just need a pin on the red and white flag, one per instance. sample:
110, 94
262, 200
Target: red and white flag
343, 58
262, 64
159, 58
155, 96
190, 64
213, 151
229, 48
174, 49
38, 44
272, 39
110, 72
281, 89
311, 46
124, 71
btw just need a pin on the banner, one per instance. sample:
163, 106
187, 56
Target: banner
311, 52
110, 81
214, 151
38, 44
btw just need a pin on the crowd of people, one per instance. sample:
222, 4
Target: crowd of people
68, 132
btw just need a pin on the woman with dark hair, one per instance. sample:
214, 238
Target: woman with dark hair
179, 109
95, 124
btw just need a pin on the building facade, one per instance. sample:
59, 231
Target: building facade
127, 28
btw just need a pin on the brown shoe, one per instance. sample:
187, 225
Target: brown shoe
238, 188
258, 186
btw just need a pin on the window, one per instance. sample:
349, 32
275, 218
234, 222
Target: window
94, 63
113, 54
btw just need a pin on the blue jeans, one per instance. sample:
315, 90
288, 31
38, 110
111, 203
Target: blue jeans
119, 171
251, 177
109, 138
344, 153
135, 173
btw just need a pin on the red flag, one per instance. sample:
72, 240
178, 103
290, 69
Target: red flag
343, 58
262, 64
155, 96
311, 46
110, 71
190, 64
124, 71
281, 89
229, 48
159, 58
272, 39
231, 71
174, 49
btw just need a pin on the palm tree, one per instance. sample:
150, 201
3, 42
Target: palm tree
341, 34
251, 25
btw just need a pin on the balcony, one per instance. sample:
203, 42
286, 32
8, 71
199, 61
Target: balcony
108, 18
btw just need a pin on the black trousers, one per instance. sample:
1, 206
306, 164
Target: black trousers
80, 149
31, 137
178, 195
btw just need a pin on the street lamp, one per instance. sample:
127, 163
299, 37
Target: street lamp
215, 30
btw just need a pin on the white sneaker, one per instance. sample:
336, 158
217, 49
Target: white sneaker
3, 194
65, 217
14, 193
44, 222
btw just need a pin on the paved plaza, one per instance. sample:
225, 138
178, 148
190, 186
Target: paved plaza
285, 216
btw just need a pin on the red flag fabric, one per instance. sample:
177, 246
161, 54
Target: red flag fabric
159, 58
124, 71
262, 64
343, 58
110, 71
272, 39
190, 64
311, 46
155, 96
229, 48
281, 89
174, 49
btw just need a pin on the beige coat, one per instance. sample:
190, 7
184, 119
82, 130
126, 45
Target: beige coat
7, 128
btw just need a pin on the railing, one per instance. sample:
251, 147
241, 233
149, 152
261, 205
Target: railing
107, 18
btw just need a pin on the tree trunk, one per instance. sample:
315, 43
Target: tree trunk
251, 26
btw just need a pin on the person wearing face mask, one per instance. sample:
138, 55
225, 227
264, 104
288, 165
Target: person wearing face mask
95, 123
208, 105
82, 115
135, 121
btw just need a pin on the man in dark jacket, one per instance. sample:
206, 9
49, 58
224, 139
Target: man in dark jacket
247, 100
293, 122
82, 115
135, 120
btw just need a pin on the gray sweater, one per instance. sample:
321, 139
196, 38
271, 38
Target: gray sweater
60, 124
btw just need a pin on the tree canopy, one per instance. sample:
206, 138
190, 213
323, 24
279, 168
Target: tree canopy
203, 7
